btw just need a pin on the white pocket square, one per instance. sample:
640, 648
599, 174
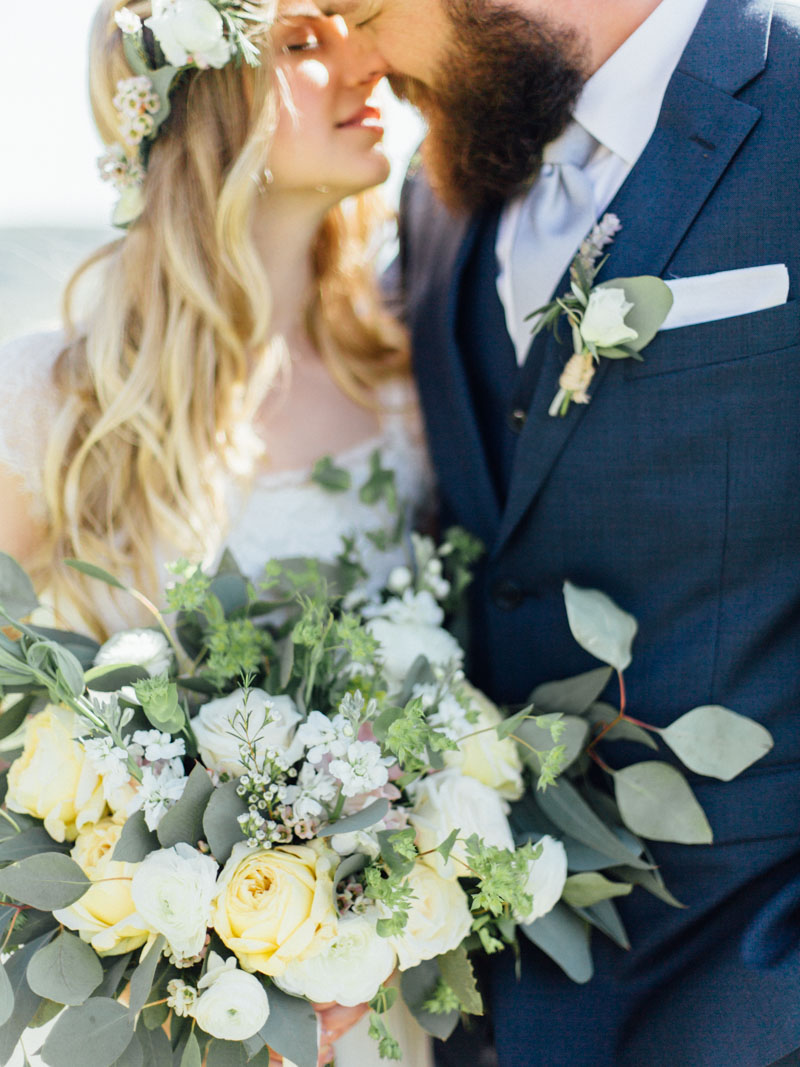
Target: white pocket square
710, 297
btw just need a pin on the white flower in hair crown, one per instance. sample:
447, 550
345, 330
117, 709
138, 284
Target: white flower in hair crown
183, 35
613, 320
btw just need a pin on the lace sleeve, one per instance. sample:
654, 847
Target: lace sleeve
28, 404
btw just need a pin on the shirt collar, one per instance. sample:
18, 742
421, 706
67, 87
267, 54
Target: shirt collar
621, 102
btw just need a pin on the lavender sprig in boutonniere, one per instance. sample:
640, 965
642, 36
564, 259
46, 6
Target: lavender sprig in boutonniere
614, 320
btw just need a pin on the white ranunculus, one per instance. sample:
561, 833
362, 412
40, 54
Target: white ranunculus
546, 878
403, 642
190, 31
145, 648
450, 800
350, 970
603, 321
438, 920
173, 889
271, 723
234, 1005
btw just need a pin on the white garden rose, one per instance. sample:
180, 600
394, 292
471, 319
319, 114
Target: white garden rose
408, 628
190, 31
450, 800
350, 970
546, 878
482, 754
173, 889
271, 724
438, 920
603, 321
145, 648
234, 1004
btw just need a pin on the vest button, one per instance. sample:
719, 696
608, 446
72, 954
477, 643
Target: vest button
517, 419
507, 595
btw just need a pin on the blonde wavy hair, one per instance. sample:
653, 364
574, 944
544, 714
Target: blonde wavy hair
174, 357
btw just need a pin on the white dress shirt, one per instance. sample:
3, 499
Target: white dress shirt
619, 106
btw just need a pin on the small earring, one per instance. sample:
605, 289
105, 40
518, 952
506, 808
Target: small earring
322, 188
269, 177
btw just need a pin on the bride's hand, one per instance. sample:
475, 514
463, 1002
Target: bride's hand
335, 1020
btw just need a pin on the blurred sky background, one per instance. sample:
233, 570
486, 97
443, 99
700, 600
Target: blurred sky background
53, 206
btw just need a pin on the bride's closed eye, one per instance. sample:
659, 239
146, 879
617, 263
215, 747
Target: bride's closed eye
306, 42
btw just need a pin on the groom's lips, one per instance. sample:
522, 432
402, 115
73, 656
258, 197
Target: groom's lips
366, 117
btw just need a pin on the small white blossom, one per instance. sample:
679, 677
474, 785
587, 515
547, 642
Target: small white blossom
116, 168
399, 580
157, 746
320, 737
363, 769
128, 21
160, 789
110, 761
311, 792
181, 997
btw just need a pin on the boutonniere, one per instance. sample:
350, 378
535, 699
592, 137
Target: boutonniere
613, 320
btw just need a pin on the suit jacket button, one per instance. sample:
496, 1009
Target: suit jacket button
507, 595
517, 419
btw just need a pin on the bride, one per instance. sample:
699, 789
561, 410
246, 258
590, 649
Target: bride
229, 339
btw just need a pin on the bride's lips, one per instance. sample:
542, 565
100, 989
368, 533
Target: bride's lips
366, 118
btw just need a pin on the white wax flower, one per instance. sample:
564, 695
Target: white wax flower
546, 878
362, 769
145, 648
603, 321
450, 800
173, 889
350, 970
270, 724
234, 1004
311, 791
190, 31
438, 920
159, 746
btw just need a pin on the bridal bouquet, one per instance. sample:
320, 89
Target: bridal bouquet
285, 798
292, 793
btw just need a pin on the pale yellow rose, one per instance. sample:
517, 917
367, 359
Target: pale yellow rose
53, 780
105, 915
438, 920
485, 756
276, 905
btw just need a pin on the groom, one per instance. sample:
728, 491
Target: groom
675, 490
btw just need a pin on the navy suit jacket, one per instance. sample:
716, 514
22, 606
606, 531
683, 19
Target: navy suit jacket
676, 492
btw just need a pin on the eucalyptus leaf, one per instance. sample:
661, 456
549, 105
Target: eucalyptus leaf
48, 881
155, 1046
584, 890
572, 696
15, 715
418, 985
191, 1053
26, 1002
565, 938
6, 996
115, 967
133, 1056
565, 807
136, 841
142, 978
651, 299
67, 970
599, 626
656, 801
226, 1054
362, 820
17, 594
457, 971
92, 571
291, 1029
651, 881
715, 741
45, 1013
334, 479
603, 714
83, 648
220, 820
162, 80
111, 678
604, 916
350, 865
97, 1032
184, 821
509, 726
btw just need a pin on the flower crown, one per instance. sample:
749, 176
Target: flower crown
180, 35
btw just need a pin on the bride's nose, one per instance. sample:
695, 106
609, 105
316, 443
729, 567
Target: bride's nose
361, 60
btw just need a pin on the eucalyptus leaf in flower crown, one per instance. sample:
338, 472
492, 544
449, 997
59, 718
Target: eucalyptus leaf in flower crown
309, 736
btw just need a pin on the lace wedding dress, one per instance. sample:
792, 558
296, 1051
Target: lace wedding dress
284, 514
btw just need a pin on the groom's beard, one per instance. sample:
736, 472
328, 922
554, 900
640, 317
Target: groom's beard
506, 89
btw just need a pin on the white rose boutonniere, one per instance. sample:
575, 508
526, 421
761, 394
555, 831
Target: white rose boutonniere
613, 320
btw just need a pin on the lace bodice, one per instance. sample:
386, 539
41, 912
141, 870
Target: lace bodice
283, 514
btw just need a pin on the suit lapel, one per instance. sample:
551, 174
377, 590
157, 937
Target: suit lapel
453, 431
700, 128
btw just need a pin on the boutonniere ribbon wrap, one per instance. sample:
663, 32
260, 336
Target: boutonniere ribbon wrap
616, 319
